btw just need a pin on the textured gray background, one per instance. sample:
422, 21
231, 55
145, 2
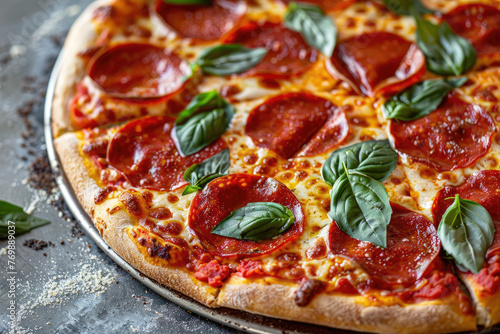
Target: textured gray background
29, 32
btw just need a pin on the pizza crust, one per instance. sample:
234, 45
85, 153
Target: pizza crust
85, 188
81, 36
347, 312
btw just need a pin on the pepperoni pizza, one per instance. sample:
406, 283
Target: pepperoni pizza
335, 162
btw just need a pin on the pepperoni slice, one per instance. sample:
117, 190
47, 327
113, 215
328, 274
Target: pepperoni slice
288, 54
145, 154
453, 136
412, 244
138, 71
482, 187
297, 124
229, 193
480, 24
328, 5
201, 21
377, 62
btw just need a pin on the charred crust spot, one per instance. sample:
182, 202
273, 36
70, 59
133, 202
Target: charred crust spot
308, 289
159, 251
142, 241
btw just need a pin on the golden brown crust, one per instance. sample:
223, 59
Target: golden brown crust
113, 228
347, 312
81, 36
85, 188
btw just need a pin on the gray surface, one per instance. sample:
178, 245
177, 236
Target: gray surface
26, 30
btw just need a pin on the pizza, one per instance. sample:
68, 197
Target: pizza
333, 162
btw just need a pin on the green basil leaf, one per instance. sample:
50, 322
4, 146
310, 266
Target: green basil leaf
256, 222
204, 102
406, 7
360, 207
188, 2
420, 99
310, 21
374, 158
229, 59
466, 232
212, 168
201, 130
23, 221
445, 52
206, 118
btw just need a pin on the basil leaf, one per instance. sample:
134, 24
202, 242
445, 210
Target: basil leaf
310, 21
212, 168
406, 7
200, 131
256, 222
360, 207
374, 158
188, 2
203, 102
446, 53
466, 232
420, 99
206, 118
229, 59
23, 221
